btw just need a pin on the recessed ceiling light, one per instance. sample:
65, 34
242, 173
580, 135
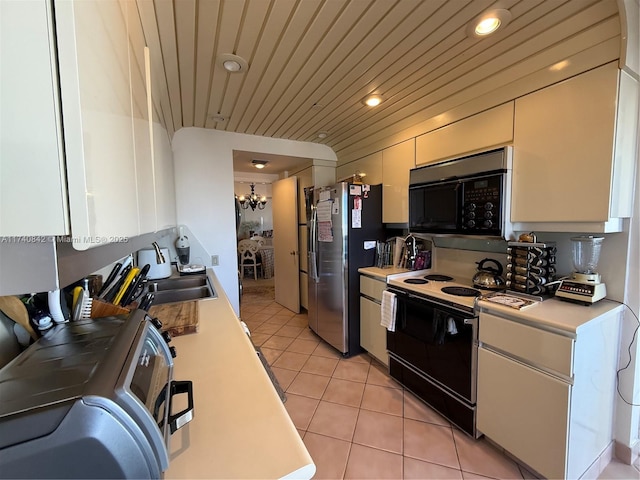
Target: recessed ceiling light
232, 63
217, 118
259, 164
488, 22
372, 100
322, 134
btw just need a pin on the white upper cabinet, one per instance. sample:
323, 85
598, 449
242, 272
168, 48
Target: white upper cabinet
574, 155
93, 51
485, 130
396, 163
33, 197
369, 167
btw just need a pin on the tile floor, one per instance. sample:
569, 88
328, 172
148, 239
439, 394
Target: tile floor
355, 420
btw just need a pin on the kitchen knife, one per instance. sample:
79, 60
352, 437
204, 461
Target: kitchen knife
146, 301
137, 282
113, 291
127, 281
112, 276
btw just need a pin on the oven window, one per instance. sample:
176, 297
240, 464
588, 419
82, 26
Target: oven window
434, 208
435, 341
151, 376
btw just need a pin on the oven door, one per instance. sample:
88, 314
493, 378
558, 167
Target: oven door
435, 208
438, 341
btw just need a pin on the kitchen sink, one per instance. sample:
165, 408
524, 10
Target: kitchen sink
181, 289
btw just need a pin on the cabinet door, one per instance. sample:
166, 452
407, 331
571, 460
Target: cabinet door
93, 52
525, 411
370, 167
396, 163
485, 130
33, 198
373, 336
563, 150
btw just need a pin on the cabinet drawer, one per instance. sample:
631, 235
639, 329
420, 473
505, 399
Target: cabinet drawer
525, 411
371, 287
533, 345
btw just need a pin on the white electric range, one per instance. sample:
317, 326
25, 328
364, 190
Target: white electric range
458, 292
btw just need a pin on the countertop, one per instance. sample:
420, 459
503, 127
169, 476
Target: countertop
555, 314
240, 427
381, 273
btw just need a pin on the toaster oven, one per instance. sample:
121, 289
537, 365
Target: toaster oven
91, 399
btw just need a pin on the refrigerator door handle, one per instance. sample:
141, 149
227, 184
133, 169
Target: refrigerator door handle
313, 247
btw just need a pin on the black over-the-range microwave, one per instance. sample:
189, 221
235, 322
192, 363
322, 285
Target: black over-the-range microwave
464, 196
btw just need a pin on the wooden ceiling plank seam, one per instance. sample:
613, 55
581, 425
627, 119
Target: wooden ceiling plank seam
323, 51
447, 37
315, 30
412, 60
354, 39
437, 81
356, 68
186, 46
523, 68
146, 11
255, 22
275, 68
167, 32
401, 55
228, 28
208, 12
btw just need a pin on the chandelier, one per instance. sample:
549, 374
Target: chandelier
252, 200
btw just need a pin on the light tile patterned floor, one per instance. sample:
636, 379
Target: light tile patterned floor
355, 420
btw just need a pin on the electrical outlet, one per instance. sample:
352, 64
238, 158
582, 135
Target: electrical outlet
214, 260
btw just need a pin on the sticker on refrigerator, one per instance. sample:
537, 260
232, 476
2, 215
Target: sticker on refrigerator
325, 232
355, 190
357, 203
365, 190
324, 211
325, 195
335, 210
356, 218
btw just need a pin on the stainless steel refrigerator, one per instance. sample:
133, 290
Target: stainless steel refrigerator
344, 222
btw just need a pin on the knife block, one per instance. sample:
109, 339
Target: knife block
103, 309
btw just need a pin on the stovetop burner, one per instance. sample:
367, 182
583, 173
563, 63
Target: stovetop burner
438, 278
461, 291
416, 281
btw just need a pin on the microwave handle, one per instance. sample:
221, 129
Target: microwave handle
183, 417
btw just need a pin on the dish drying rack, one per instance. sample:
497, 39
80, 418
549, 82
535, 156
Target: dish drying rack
531, 267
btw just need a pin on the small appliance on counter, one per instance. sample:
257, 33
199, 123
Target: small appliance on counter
489, 277
182, 247
158, 260
585, 285
91, 399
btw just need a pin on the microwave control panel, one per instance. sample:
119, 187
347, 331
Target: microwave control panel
481, 204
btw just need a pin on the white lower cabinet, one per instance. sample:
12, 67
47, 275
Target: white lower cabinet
373, 336
547, 396
524, 410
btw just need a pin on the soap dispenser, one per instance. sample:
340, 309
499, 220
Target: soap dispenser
182, 247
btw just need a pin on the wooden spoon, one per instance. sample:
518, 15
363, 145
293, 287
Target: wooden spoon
13, 308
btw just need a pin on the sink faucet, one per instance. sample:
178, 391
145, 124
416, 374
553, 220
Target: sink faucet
159, 256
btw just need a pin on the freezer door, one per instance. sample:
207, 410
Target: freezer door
312, 265
331, 286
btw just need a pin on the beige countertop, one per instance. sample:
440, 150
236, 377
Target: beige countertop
554, 313
240, 427
381, 273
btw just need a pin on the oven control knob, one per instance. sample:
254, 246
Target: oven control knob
156, 323
488, 206
488, 214
471, 224
471, 215
166, 336
488, 223
471, 207
173, 352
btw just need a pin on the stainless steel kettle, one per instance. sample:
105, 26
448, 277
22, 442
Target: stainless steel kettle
489, 278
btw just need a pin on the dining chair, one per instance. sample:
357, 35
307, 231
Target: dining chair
261, 241
248, 256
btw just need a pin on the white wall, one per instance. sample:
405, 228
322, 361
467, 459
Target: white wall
203, 162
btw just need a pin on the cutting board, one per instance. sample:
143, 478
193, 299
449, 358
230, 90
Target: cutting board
177, 318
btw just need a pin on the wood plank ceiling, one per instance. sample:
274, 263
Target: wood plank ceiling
311, 62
